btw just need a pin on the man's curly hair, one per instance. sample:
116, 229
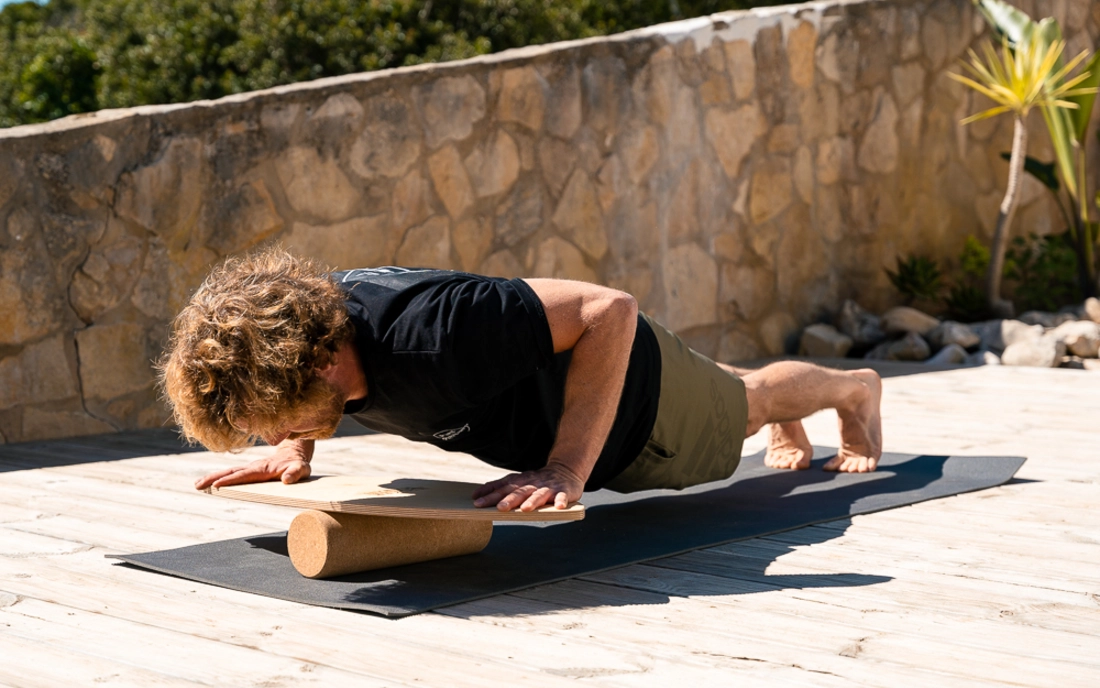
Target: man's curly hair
245, 350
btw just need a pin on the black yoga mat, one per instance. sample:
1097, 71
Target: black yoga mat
617, 530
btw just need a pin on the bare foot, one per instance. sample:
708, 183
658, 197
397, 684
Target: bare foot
788, 446
860, 428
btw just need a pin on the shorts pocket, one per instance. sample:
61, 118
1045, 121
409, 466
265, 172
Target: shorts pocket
653, 468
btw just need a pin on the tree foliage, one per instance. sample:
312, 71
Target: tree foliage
70, 56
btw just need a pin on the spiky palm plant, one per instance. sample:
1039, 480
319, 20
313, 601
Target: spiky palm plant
1021, 78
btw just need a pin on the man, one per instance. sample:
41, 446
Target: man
564, 383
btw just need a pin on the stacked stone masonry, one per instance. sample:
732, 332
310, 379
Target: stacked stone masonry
741, 175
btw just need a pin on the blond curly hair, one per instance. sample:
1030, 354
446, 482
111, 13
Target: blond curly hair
244, 352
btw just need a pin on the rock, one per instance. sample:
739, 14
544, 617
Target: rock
316, 186
911, 347
502, 264
559, 259
557, 159
451, 182
952, 354
801, 42
104, 277
747, 290
878, 153
245, 217
691, 288
737, 346
605, 92
640, 150
1046, 319
40, 373
804, 174
732, 135
563, 108
824, 341
950, 332
835, 160
1091, 364
390, 141
770, 192
519, 215
983, 358
1042, 352
42, 425
1078, 312
410, 201
359, 242
777, 333
472, 240
32, 304
1081, 337
450, 107
908, 80
495, 167
1072, 363
166, 195
1092, 308
336, 120
522, 98
998, 335
427, 246
113, 360
741, 66
903, 319
578, 216
864, 328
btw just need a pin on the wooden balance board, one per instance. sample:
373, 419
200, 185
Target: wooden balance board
352, 524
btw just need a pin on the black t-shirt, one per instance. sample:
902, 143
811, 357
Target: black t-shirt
467, 363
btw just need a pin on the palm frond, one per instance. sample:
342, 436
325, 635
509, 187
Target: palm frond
1022, 77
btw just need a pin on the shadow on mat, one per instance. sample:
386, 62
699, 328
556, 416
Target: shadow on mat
678, 538
771, 503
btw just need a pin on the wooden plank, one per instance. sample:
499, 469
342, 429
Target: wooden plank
69, 629
28, 663
78, 495
883, 635
400, 497
1004, 565
432, 649
722, 636
904, 590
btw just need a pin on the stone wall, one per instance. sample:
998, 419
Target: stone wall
741, 174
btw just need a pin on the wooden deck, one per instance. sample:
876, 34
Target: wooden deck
1000, 587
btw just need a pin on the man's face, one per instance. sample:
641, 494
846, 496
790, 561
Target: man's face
315, 419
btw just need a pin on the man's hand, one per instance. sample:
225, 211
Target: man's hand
290, 463
553, 484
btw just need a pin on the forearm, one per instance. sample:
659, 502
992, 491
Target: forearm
594, 385
303, 448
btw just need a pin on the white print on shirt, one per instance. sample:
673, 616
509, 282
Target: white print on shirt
360, 274
448, 435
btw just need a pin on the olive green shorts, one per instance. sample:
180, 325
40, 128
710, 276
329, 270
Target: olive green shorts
700, 425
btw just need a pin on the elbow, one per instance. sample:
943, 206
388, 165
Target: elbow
624, 310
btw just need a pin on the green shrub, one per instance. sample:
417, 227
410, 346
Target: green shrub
966, 300
916, 277
60, 80
121, 53
1044, 270
966, 303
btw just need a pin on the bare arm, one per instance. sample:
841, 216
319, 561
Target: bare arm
598, 324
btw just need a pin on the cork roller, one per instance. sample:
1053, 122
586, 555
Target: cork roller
323, 544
